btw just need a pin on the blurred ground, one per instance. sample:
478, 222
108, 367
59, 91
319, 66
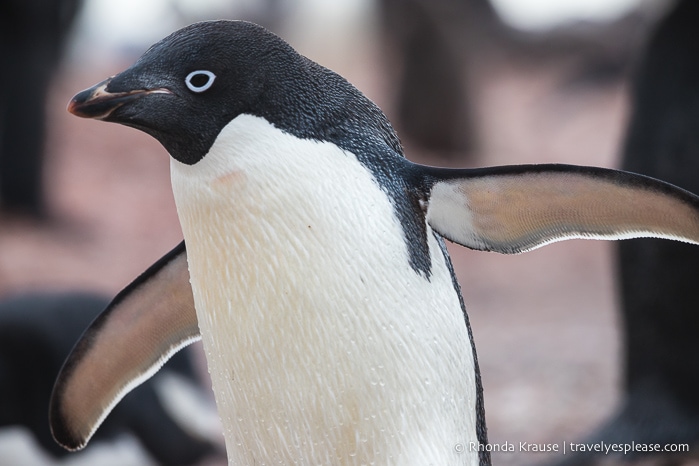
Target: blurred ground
544, 322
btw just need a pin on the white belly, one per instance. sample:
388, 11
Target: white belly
323, 345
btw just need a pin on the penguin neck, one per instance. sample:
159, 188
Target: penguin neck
323, 344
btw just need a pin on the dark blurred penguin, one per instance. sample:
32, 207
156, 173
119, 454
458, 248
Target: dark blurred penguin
32, 36
434, 43
37, 331
658, 279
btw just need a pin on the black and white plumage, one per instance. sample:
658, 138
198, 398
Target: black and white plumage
333, 324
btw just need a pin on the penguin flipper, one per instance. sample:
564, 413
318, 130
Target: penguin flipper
513, 209
145, 324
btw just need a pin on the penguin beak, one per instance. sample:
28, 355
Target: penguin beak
96, 102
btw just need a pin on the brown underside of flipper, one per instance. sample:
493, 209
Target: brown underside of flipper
519, 208
144, 326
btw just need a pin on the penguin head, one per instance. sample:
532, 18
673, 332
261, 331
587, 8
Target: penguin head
187, 87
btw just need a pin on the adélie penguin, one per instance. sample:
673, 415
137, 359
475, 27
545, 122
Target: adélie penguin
315, 269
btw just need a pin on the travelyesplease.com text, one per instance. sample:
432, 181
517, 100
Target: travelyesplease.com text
575, 447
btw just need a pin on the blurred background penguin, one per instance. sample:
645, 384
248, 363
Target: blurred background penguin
156, 424
33, 35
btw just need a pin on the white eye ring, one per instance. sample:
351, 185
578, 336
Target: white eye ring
194, 88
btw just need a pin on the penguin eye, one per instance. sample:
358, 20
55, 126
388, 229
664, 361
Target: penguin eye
200, 80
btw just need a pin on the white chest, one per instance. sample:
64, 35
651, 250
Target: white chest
323, 345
